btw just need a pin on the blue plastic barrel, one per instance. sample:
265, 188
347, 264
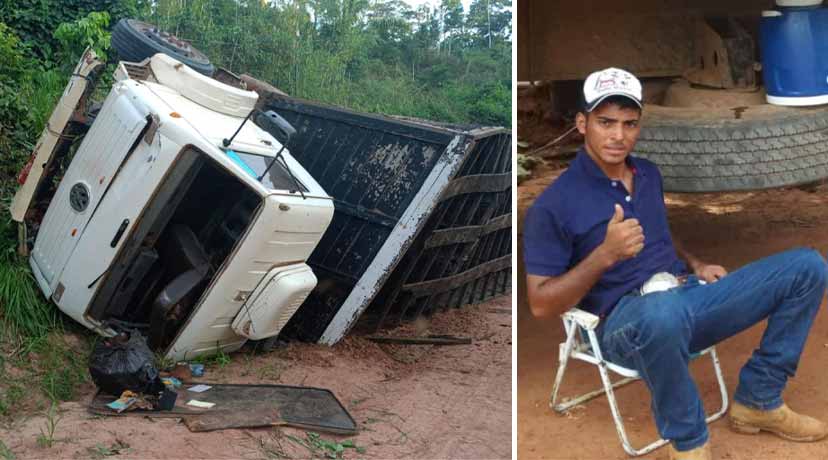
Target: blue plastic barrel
794, 48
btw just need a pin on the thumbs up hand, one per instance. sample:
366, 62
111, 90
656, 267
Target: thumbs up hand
625, 238
618, 217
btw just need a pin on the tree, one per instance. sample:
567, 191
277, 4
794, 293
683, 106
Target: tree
373, 55
452, 20
491, 20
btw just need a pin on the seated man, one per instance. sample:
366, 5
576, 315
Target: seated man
599, 233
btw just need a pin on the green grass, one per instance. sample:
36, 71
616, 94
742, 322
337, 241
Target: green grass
24, 310
43, 372
41, 95
162, 362
10, 397
46, 438
63, 368
319, 447
220, 359
5, 452
100, 451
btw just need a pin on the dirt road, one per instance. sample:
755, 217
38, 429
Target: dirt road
730, 229
409, 401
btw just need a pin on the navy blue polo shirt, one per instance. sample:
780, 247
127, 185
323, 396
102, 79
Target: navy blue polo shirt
569, 220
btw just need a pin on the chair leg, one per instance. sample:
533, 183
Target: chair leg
609, 386
722, 388
591, 395
572, 332
616, 414
619, 421
563, 361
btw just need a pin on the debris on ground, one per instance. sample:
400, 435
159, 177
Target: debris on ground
197, 369
124, 362
201, 404
222, 420
199, 388
182, 371
167, 400
444, 402
237, 405
123, 403
171, 382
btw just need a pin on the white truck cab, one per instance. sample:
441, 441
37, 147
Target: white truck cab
176, 215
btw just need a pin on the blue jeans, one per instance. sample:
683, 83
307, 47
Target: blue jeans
655, 334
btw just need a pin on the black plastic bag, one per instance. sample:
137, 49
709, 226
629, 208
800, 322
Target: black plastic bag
124, 362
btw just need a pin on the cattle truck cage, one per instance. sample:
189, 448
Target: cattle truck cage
422, 216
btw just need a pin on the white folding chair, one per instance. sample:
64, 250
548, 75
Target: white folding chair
578, 323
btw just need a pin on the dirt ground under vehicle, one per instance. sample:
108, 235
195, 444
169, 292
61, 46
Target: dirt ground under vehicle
410, 402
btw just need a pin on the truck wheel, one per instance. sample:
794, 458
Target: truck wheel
746, 148
135, 41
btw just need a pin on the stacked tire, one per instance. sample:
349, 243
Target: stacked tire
135, 41
747, 148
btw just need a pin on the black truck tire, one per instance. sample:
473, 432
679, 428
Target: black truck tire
749, 148
135, 41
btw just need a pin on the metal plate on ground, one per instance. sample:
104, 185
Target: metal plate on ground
301, 407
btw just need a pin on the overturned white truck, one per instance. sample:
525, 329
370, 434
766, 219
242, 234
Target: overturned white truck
175, 208
174, 214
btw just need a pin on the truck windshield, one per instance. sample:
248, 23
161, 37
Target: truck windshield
277, 178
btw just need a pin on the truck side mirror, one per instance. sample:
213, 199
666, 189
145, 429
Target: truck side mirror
277, 126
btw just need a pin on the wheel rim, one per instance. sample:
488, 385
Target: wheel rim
168, 41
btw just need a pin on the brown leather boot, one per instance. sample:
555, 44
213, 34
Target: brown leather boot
699, 453
781, 421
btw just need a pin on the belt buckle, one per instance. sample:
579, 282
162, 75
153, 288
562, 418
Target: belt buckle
661, 281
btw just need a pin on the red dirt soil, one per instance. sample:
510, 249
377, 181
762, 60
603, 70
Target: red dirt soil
731, 229
408, 400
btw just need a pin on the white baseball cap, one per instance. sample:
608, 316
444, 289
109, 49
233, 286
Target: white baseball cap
610, 82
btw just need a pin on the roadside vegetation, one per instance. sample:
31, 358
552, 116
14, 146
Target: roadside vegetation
439, 63
434, 62
42, 358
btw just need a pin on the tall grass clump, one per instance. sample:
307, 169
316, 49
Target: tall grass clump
24, 311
